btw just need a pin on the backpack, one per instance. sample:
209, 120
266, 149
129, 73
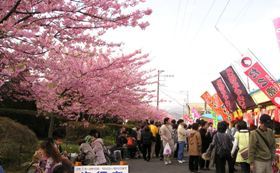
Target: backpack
221, 149
130, 142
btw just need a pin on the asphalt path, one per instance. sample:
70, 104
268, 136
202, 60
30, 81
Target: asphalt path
157, 166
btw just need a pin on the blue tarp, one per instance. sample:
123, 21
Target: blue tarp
210, 116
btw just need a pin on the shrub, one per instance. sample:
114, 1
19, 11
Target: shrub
18, 143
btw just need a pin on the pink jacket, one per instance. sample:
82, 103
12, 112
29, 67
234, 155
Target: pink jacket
97, 146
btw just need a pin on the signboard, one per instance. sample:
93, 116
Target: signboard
224, 94
262, 79
221, 108
101, 169
276, 23
237, 89
216, 105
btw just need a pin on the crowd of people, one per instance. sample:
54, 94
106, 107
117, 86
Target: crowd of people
205, 146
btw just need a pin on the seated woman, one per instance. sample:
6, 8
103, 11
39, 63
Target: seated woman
86, 155
50, 154
122, 144
98, 148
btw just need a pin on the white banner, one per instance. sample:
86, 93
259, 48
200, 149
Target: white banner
101, 169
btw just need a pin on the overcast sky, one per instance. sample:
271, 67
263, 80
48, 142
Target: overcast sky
182, 41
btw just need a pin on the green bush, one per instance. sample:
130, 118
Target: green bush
18, 143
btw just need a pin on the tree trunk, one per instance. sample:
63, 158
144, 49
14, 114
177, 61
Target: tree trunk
51, 127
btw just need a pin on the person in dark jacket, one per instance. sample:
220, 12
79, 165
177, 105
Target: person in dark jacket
206, 140
122, 143
146, 140
223, 145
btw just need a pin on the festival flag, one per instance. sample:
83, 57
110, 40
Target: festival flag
215, 120
224, 94
237, 89
187, 118
221, 108
277, 115
196, 114
262, 79
276, 23
215, 103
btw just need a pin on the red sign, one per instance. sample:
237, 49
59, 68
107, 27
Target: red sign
264, 81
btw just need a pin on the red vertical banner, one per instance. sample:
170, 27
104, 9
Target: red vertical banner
237, 89
276, 115
276, 23
224, 94
262, 79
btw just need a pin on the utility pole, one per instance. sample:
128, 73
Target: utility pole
158, 89
158, 84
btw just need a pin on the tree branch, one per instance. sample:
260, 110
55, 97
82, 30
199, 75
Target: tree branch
11, 11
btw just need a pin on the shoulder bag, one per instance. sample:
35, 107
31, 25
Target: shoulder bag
245, 151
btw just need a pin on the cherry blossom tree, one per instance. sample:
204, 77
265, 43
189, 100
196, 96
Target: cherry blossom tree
54, 52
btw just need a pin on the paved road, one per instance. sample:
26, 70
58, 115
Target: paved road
156, 166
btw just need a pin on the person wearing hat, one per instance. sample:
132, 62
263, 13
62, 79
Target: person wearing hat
262, 146
87, 155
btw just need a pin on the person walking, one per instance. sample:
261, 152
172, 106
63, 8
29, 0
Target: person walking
167, 138
206, 140
221, 145
194, 148
182, 140
146, 141
241, 140
262, 146
158, 148
154, 131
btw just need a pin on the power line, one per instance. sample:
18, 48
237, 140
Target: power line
222, 13
204, 19
175, 100
242, 12
177, 17
228, 40
189, 21
221, 33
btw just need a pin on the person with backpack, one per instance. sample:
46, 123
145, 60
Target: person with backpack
262, 146
97, 147
241, 141
86, 155
122, 144
146, 141
221, 146
131, 146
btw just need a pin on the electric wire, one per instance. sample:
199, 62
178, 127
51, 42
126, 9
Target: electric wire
204, 20
172, 98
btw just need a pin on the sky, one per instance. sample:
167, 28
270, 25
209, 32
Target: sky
182, 41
